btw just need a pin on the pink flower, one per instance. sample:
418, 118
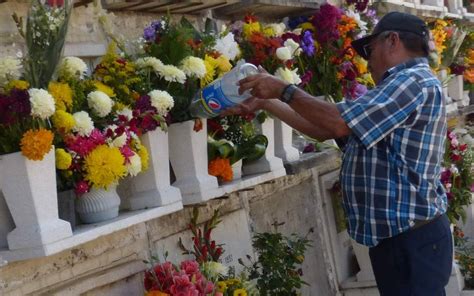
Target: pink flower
54, 3
81, 187
204, 286
182, 286
190, 267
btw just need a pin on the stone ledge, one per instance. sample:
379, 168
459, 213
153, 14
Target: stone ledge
310, 160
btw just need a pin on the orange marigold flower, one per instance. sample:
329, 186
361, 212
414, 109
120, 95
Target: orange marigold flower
36, 143
469, 75
221, 168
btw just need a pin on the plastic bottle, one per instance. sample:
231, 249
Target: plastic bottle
222, 93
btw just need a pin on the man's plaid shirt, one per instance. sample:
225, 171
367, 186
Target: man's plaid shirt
390, 174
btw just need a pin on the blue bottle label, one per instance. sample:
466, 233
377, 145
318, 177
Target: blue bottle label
214, 99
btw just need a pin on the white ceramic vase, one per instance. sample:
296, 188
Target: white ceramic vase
98, 205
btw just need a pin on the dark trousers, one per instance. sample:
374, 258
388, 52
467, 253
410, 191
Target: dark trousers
415, 263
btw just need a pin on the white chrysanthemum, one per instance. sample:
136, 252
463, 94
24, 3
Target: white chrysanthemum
134, 167
127, 112
215, 269
172, 74
119, 142
72, 66
293, 46
100, 103
10, 69
42, 103
278, 29
194, 67
227, 46
283, 53
360, 23
149, 62
290, 76
84, 124
162, 101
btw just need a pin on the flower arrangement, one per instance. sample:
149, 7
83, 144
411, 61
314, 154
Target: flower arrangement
456, 175
464, 257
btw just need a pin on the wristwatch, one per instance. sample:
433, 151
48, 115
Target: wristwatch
287, 93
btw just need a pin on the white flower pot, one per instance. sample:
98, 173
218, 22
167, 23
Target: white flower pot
456, 88
443, 77
188, 156
6, 222
284, 142
237, 170
268, 162
29, 188
98, 205
152, 188
366, 272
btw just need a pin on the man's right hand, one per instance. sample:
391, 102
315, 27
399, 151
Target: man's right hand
250, 105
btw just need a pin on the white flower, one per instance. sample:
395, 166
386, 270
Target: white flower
290, 76
278, 29
120, 141
162, 101
84, 124
283, 53
468, 139
215, 269
227, 46
127, 112
100, 103
454, 169
172, 74
460, 131
10, 69
149, 62
360, 23
42, 103
72, 66
134, 167
193, 66
294, 47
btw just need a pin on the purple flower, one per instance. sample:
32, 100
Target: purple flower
149, 33
309, 148
359, 90
325, 20
307, 44
144, 104
306, 78
360, 5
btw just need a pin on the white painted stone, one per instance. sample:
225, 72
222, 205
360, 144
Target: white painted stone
438, 3
6, 221
443, 78
456, 281
284, 142
366, 273
88, 232
467, 293
463, 103
152, 188
451, 108
188, 156
455, 6
456, 88
29, 188
268, 162
237, 170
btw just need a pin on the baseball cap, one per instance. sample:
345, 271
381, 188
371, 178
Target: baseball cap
393, 21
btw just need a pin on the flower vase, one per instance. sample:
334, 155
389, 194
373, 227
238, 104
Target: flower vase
188, 156
456, 88
98, 205
152, 188
237, 170
29, 188
284, 142
268, 162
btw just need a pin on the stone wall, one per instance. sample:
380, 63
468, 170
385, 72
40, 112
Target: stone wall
112, 265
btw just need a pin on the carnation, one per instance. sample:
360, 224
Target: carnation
283, 53
172, 74
162, 101
227, 46
72, 66
149, 62
134, 167
290, 76
100, 103
193, 67
10, 69
84, 124
42, 103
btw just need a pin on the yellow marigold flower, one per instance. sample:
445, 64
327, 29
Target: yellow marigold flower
144, 156
63, 159
35, 144
223, 64
249, 29
62, 94
63, 121
221, 286
210, 64
18, 84
268, 31
240, 292
361, 64
104, 88
104, 166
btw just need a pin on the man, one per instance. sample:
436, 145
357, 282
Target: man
393, 197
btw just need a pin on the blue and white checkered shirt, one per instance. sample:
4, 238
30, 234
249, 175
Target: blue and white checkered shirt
390, 174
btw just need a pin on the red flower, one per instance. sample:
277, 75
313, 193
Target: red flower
456, 157
190, 267
182, 286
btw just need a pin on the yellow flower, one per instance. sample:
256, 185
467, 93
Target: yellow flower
361, 64
104, 166
210, 63
240, 292
249, 29
144, 156
307, 26
18, 84
63, 121
63, 159
223, 64
104, 88
35, 144
62, 95
221, 286
268, 31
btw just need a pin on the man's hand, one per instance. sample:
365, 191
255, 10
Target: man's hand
262, 85
250, 105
